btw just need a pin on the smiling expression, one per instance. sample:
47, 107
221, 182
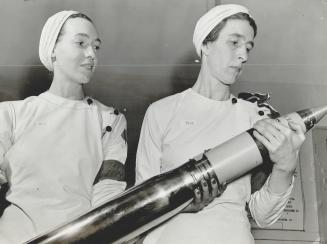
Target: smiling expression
76, 51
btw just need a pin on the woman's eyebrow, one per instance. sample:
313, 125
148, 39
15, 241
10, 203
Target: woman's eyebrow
87, 36
241, 36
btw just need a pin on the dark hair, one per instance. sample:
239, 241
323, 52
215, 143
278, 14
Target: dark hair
80, 15
73, 16
213, 35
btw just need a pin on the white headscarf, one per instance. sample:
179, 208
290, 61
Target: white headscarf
211, 19
50, 34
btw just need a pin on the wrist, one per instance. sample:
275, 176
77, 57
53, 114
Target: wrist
283, 172
280, 180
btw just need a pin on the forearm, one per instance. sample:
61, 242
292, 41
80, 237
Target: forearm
280, 180
106, 189
109, 182
111, 169
267, 206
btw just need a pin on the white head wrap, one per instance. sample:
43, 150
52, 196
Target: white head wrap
50, 34
211, 19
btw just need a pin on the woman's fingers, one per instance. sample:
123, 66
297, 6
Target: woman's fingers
197, 196
214, 188
298, 129
206, 191
206, 196
272, 132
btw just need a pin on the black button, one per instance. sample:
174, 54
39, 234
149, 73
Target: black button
116, 111
108, 128
234, 100
261, 113
89, 101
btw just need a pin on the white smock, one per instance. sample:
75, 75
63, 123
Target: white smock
51, 150
181, 126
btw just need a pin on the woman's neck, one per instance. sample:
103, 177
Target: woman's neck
67, 89
211, 88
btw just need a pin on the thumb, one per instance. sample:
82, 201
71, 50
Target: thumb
298, 129
295, 127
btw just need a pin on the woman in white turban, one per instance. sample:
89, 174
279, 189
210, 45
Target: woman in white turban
61, 152
184, 125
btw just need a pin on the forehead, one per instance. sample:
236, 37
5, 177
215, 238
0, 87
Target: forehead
238, 27
76, 26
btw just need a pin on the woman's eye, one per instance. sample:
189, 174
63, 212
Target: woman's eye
96, 47
81, 43
235, 43
249, 48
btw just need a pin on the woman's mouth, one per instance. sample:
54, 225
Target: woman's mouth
236, 68
88, 66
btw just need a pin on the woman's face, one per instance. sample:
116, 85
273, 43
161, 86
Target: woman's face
75, 51
226, 56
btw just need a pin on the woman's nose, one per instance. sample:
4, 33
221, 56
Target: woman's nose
90, 52
243, 54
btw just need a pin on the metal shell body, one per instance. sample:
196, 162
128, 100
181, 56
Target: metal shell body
134, 211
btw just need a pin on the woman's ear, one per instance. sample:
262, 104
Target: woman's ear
53, 57
205, 48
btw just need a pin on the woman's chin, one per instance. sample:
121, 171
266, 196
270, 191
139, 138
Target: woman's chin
85, 79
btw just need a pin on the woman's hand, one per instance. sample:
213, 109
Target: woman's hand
283, 139
205, 193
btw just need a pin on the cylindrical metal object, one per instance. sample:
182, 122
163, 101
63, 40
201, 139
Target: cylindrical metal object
135, 210
161, 197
